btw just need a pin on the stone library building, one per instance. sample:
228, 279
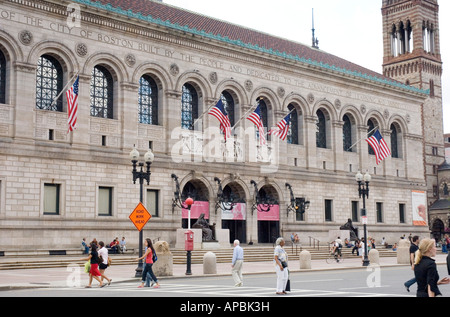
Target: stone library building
146, 76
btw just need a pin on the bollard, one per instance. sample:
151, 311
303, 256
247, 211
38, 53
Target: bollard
403, 252
209, 263
305, 260
374, 257
164, 265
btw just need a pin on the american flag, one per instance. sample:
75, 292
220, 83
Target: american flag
219, 112
256, 118
379, 146
72, 104
282, 128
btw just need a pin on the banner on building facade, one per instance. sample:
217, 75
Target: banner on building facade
272, 214
198, 208
419, 207
238, 212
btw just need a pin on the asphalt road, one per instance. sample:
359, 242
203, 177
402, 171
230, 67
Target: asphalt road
370, 282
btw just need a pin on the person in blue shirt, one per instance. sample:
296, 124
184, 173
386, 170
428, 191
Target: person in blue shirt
236, 264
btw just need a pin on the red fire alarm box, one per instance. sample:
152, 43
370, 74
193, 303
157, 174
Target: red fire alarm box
189, 241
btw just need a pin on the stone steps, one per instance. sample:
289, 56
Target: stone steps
34, 259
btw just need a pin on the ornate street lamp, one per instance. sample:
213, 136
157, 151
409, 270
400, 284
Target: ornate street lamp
142, 176
189, 202
363, 188
298, 205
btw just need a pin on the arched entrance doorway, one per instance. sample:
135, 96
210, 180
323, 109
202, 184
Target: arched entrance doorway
268, 209
234, 215
198, 191
438, 229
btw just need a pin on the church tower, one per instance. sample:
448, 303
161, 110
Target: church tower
411, 55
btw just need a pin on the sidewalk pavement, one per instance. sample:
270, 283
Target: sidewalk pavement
75, 276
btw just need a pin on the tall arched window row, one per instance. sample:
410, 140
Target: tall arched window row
189, 107
292, 135
321, 130
2, 78
102, 93
148, 101
49, 84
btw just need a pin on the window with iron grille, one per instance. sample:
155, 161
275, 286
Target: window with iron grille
148, 101
49, 83
292, 135
101, 93
2, 78
189, 107
321, 130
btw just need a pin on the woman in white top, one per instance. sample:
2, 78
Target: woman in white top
280, 259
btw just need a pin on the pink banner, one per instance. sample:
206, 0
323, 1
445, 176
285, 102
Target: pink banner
272, 215
198, 208
238, 212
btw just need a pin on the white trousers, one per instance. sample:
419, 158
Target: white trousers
282, 278
237, 272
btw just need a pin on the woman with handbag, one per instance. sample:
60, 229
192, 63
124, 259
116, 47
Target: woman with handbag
281, 266
149, 257
94, 260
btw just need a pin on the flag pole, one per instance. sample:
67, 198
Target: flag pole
361, 139
283, 118
251, 109
70, 82
203, 114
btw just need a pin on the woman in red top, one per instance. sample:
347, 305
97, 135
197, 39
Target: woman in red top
148, 256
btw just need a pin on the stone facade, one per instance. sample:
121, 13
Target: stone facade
36, 151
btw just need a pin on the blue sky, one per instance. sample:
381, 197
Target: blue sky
351, 29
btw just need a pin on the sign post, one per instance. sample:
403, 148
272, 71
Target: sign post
139, 217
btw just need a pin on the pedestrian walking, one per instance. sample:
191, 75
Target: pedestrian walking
425, 270
148, 256
412, 251
281, 266
236, 264
94, 273
103, 253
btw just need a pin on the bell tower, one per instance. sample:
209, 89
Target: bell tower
412, 56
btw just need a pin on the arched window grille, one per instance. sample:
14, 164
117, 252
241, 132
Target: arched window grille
371, 127
148, 101
101, 93
347, 134
49, 83
321, 130
394, 141
189, 107
228, 103
292, 135
2, 78
264, 117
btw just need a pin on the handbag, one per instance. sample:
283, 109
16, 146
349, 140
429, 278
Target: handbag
87, 267
109, 261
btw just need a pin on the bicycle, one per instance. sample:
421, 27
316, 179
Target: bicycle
335, 257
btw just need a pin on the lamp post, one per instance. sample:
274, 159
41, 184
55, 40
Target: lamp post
363, 188
141, 175
189, 202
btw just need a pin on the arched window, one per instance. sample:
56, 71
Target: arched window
292, 135
148, 101
394, 141
102, 93
371, 127
264, 117
2, 78
347, 134
228, 103
49, 83
321, 130
189, 107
